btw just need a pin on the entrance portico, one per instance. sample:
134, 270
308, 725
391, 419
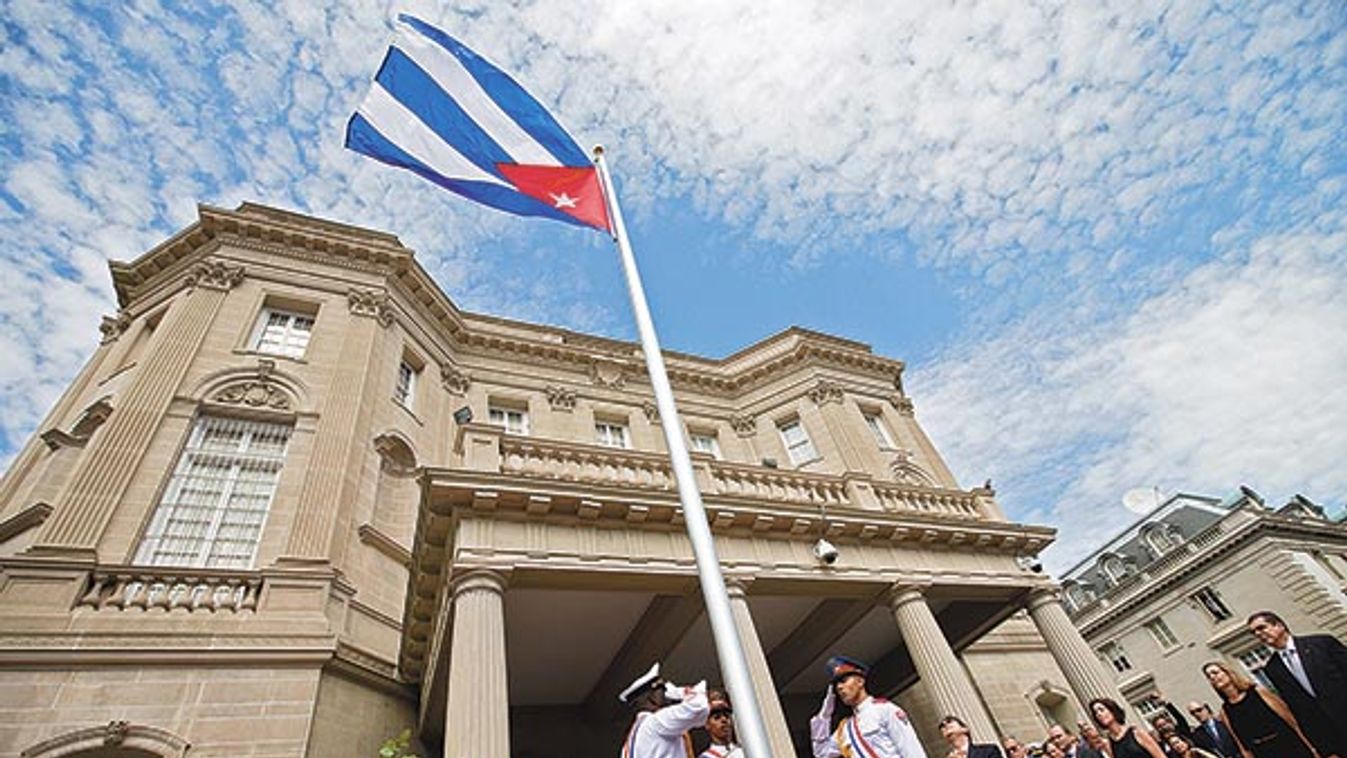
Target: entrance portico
546, 576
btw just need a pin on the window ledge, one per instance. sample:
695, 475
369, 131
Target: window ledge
276, 356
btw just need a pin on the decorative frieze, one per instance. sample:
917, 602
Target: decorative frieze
456, 382
216, 275
560, 398
826, 392
374, 304
257, 392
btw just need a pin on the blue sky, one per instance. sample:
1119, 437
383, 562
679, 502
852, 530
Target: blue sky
1109, 238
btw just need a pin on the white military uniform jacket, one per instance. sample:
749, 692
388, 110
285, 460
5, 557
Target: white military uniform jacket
876, 729
659, 734
722, 751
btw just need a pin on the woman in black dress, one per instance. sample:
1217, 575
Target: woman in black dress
1262, 724
1124, 741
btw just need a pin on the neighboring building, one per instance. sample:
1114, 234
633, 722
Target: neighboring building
297, 500
1173, 591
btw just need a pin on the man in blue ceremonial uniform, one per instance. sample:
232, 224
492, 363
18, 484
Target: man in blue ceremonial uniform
876, 727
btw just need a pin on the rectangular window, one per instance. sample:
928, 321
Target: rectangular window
1253, 662
705, 443
282, 333
612, 434
798, 446
1211, 601
879, 429
405, 390
514, 421
1116, 656
213, 508
1164, 636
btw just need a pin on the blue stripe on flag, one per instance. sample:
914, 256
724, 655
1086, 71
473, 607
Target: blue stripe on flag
531, 116
362, 137
414, 88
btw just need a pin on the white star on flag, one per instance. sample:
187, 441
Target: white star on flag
563, 200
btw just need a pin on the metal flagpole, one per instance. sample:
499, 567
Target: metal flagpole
733, 665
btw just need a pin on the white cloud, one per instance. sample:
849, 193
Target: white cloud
1232, 375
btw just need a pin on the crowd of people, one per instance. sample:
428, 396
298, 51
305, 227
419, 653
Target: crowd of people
1306, 716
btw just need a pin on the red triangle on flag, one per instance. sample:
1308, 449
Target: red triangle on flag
572, 190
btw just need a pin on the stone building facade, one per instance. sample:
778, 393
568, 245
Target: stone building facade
297, 500
1174, 590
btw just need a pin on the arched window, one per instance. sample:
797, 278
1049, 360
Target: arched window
1160, 539
1113, 569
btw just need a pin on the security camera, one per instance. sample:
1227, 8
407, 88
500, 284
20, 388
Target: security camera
825, 551
1030, 563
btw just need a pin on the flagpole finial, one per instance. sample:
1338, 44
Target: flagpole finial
598, 150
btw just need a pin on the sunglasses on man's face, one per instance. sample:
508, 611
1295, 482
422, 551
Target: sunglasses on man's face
721, 714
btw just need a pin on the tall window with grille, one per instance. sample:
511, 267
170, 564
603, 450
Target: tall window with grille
213, 509
798, 445
282, 333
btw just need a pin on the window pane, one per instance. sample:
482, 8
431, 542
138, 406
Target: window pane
878, 429
514, 421
705, 443
283, 333
611, 435
798, 446
404, 391
214, 507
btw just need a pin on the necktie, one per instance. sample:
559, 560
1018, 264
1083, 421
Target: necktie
1292, 660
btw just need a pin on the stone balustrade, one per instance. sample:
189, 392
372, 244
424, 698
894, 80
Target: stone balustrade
173, 590
591, 464
899, 498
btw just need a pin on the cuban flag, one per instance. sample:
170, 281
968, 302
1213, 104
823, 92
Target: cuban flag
442, 111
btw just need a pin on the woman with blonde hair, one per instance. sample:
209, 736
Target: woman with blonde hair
1262, 724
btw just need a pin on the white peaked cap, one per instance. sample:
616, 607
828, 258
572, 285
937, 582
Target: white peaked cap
643, 681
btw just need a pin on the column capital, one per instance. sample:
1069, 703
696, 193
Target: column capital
373, 304
736, 585
1042, 595
215, 275
479, 579
902, 593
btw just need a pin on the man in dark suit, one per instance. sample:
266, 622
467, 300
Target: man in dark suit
1072, 747
955, 732
1211, 734
1310, 673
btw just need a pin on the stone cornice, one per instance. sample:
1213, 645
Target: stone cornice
310, 239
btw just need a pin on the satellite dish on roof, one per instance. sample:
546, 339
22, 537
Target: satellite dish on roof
1141, 500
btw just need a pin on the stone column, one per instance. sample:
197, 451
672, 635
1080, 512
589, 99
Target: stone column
105, 470
333, 469
939, 668
1082, 668
477, 713
774, 719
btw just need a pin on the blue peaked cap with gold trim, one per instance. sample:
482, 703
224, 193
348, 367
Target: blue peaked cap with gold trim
840, 666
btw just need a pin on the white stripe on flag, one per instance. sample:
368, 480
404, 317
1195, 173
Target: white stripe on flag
404, 129
454, 79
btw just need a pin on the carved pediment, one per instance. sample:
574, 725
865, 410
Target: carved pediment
610, 374
257, 391
744, 426
905, 470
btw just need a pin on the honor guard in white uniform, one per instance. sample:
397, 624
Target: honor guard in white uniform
876, 728
720, 726
664, 714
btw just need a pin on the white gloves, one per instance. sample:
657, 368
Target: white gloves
820, 726
825, 710
676, 694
